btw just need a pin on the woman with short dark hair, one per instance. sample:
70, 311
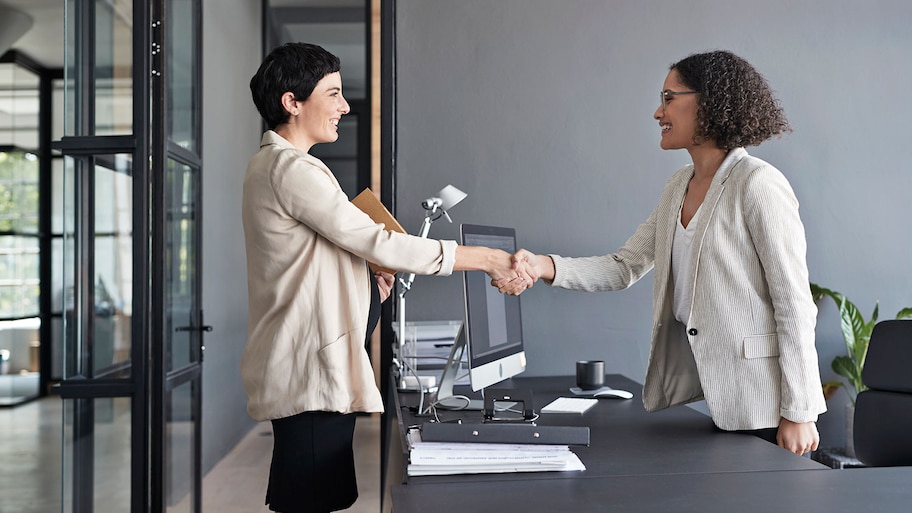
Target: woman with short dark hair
312, 299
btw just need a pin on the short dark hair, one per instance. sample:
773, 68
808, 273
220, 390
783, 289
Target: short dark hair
736, 106
292, 67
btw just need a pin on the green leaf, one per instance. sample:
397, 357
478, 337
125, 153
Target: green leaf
816, 292
845, 367
853, 324
864, 339
857, 334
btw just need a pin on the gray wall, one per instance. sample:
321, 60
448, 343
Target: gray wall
541, 111
231, 135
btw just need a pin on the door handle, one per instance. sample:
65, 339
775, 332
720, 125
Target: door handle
194, 328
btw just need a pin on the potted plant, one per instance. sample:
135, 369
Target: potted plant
856, 332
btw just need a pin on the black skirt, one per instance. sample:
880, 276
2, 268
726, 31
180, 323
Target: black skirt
313, 466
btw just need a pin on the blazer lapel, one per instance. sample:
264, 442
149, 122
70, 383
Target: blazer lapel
665, 229
708, 208
671, 215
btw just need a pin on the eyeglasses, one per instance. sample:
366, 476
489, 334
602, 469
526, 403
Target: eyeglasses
666, 95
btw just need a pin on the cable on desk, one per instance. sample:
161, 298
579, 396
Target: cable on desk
422, 390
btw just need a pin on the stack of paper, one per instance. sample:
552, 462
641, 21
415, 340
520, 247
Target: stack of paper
569, 405
442, 458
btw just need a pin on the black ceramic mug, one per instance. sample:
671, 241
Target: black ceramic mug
590, 374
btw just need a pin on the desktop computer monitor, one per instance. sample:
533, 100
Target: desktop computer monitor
492, 331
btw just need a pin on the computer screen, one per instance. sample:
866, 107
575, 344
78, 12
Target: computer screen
492, 333
493, 320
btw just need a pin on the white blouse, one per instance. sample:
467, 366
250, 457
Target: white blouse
682, 266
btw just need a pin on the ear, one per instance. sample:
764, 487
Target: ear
289, 103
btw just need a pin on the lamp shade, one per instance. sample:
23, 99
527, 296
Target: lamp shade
13, 25
450, 196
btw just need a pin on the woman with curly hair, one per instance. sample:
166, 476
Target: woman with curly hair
733, 317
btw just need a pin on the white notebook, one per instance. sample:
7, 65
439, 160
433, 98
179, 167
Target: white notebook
569, 405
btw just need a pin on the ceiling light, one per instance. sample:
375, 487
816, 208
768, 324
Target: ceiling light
13, 25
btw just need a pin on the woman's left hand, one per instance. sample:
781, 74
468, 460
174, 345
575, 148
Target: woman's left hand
385, 284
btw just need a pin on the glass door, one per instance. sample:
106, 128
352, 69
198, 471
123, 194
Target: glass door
133, 328
104, 243
175, 252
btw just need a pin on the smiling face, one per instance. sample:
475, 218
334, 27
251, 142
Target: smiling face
678, 117
319, 115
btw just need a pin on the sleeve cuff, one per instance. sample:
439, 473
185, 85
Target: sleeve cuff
448, 248
557, 270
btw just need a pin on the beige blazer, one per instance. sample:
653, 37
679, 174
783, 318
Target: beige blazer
748, 347
308, 288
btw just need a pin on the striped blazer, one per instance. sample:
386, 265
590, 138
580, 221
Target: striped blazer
748, 347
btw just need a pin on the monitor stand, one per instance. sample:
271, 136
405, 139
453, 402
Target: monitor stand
446, 400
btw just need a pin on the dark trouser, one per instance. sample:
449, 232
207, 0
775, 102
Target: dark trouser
768, 434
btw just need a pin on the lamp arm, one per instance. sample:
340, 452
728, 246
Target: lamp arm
422, 233
435, 210
405, 284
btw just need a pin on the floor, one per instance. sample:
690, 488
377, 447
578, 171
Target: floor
30, 465
240, 478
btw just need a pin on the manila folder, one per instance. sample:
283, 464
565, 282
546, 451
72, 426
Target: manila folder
371, 206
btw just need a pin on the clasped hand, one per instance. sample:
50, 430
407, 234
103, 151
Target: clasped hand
520, 274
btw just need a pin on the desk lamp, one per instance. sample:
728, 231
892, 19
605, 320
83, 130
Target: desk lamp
435, 207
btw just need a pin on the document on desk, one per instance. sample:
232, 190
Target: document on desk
569, 405
444, 458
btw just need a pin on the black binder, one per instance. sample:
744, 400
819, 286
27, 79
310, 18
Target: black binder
505, 433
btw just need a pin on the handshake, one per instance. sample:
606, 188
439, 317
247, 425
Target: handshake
515, 273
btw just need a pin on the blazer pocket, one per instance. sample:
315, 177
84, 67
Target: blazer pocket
761, 346
336, 354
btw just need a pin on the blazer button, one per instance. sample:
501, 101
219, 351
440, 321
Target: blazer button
692, 332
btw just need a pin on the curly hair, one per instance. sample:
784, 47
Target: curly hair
736, 106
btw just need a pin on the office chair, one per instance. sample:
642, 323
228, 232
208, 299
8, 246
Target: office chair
883, 413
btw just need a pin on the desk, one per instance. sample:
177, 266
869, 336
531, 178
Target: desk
671, 460
884, 490
625, 439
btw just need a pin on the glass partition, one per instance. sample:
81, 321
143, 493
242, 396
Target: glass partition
19, 106
180, 444
183, 96
112, 69
20, 243
181, 295
111, 232
96, 454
